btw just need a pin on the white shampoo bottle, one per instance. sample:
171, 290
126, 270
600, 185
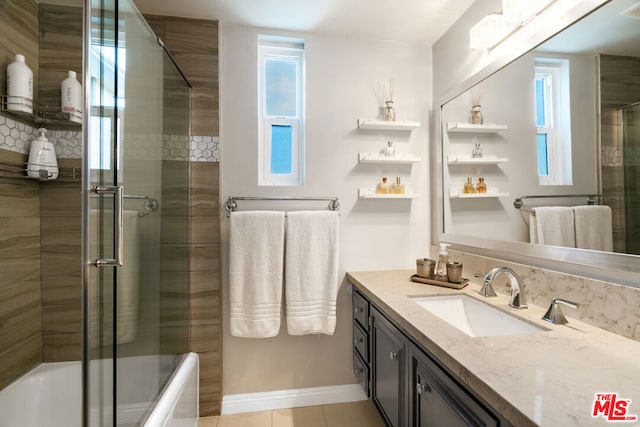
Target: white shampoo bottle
71, 97
19, 86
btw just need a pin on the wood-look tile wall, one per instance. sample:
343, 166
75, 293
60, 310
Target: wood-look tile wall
60, 220
19, 29
20, 311
60, 50
619, 86
194, 45
206, 329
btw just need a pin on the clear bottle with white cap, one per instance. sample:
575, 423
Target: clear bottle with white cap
440, 270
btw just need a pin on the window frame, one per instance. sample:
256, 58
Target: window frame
290, 50
557, 120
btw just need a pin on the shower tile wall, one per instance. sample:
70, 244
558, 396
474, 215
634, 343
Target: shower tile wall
194, 45
20, 310
619, 86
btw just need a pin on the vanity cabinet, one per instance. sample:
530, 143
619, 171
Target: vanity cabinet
388, 367
409, 386
437, 400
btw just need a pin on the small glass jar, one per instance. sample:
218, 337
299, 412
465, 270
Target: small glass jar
476, 115
390, 112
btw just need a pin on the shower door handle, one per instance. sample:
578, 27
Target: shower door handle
118, 238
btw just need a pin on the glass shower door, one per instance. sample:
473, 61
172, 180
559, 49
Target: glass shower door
135, 216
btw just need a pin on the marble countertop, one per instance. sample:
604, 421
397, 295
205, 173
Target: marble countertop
546, 378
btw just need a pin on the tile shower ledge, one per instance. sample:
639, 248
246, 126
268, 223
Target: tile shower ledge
546, 378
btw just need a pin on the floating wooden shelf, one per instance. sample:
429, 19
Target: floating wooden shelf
384, 125
457, 159
454, 127
370, 193
398, 159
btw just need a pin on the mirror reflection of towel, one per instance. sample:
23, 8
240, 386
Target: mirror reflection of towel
553, 225
594, 229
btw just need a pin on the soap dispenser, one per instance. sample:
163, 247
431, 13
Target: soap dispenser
42, 163
440, 270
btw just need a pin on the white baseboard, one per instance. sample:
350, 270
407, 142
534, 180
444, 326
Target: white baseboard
295, 398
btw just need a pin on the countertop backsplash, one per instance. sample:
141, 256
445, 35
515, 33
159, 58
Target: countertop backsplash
610, 306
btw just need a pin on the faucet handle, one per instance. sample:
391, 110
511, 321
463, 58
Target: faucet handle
554, 314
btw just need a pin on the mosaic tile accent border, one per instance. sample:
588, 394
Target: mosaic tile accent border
205, 149
17, 136
618, 156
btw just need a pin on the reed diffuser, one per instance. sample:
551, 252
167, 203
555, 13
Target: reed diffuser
387, 97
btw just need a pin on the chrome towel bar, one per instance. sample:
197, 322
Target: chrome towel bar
592, 199
231, 205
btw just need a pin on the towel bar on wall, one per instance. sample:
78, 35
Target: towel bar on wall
150, 204
232, 205
592, 199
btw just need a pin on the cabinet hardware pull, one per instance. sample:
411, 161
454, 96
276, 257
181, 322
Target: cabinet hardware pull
355, 310
358, 340
393, 355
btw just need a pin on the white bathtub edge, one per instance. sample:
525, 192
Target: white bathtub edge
294, 398
163, 413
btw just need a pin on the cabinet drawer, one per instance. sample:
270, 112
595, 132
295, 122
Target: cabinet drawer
361, 341
361, 310
361, 372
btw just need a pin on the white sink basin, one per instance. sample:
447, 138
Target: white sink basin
474, 317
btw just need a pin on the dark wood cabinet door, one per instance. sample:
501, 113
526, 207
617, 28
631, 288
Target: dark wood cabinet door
389, 351
438, 401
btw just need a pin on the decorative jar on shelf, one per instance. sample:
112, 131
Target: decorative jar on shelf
390, 112
476, 115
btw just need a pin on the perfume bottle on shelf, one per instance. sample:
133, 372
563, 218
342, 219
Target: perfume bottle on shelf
481, 187
383, 186
476, 152
469, 187
390, 150
397, 187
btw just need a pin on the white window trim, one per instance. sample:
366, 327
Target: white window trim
294, 51
555, 73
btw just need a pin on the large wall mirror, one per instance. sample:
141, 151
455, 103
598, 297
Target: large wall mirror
560, 128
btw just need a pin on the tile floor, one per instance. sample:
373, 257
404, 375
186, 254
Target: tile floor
354, 414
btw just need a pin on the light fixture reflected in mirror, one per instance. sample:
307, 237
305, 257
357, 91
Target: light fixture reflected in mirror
495, 27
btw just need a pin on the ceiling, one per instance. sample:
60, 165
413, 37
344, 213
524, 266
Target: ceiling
607, 30
413, 21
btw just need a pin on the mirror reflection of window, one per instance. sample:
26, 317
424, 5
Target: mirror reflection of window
553, 121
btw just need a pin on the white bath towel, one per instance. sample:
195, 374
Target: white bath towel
311, 272
554, 226
256, 258
594, 229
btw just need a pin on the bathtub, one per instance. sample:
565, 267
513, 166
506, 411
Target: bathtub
50, 395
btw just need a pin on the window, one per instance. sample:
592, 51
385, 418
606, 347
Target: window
281, 111
553, 121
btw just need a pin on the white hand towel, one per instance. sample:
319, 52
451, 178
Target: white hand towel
594, 229
554, 226
256, 258
533, 227
311, 272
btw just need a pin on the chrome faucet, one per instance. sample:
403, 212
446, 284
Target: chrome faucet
518, 298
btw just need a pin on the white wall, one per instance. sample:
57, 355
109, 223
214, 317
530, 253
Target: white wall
508, 98
341, 74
